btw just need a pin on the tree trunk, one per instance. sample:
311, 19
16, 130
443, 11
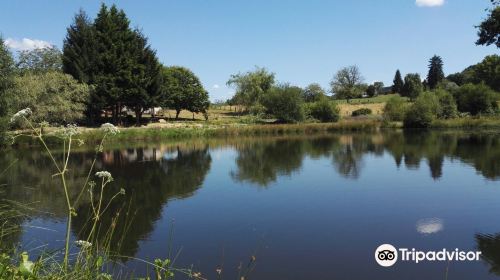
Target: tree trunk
193, 116
177, 112
138, 115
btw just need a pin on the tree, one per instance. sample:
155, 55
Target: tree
6, 76
115, 61
371, 91
347, 83
6, 82
313, 92
144, 90
489, 29
52, 96
488, 71
476, 99
413, 86
252, 85
436, 74
79, 49
398, 83
39, 60
183, 90
379, 86
284, 102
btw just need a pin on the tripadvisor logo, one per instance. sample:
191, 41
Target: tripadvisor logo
387, 255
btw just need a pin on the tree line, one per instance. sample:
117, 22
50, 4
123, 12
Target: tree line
105, 68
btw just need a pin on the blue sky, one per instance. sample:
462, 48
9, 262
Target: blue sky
302, 41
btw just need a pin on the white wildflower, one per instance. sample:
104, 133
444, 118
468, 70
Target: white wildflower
83, 243
68, 130
105, 175
24, 113
122, 191
110, 128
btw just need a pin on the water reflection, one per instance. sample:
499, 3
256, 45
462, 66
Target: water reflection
489, 245
152, 176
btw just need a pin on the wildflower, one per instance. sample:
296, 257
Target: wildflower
110, 129
105, 175
24, 113
83, 243
122, 191
68, 130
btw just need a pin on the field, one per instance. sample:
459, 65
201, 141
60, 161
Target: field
227, 114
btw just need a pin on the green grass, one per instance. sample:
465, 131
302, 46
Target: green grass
468, 123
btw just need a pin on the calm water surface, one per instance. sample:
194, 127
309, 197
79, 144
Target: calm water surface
305, 207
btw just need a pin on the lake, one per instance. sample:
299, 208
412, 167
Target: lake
284, 207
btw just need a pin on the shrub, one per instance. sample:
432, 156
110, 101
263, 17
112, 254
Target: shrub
284, 102
52, 96
361, 112
423, 111
447, 105
324, 111
395, 109
476, 99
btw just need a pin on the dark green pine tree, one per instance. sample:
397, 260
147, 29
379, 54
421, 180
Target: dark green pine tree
78, 59
436, 74
398, 83
145, 84
79, 49
115, 60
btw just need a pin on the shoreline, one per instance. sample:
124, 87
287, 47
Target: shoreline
210, 130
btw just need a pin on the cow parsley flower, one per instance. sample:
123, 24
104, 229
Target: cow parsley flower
110, 128
24, 113
105, 175
68, 130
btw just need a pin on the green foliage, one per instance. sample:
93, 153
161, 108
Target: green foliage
489, 29
52, 96
422, 112
447, 104
251, 86
323, 111
79, 49
488, 71
436, 74
361, 112
6, 75
347, 83
183, 90
313, 93
476, 99
413, 86
371, 91
395, 109
284, 102
39, 60
397, 86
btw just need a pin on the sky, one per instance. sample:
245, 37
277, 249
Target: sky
301, 41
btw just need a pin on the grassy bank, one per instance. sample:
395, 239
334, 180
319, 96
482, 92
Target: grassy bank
189, 130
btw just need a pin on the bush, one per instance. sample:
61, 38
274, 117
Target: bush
447, 105
52, 96
284, 103
476, 99
324, 111
361, 112
423, 111
395, 109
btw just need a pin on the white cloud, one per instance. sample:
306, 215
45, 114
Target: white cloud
26, 44
216, 86
429, 3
